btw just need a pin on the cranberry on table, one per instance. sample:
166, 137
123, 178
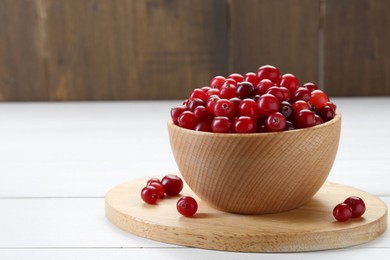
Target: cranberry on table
172, 184
187, 206
342, 212
159, 187
357, 205
150, 194
153, 180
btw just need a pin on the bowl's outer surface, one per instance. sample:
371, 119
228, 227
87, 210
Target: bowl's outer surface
256, 173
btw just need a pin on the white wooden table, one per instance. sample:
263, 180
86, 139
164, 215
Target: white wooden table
58, 160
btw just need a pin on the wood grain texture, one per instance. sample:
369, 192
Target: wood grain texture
356, 48
310, 227
152, 49
283, 33
232, 171
22, 65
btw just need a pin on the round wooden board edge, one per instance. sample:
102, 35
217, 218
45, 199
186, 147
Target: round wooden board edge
155, 232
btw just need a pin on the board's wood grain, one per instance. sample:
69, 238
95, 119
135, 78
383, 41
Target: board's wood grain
356, 47
310, 227
22, 53
155, 49
283, 33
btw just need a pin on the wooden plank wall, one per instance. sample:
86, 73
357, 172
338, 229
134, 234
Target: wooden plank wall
161, 49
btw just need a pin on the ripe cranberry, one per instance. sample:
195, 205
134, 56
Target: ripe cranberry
286, 93
357, 205
249, 107
149, 194
205, 89
203, 126
187, 206
217, 82
263, 86
153, 180
268, 104
277, 92
276, 122
187, 120
245, 89
326, 112
227, 91
342, 212
221, 124
245, 124
319, 119
286, 109
199, 93
299, 105
318, 99
302, 94
213, 91
289, 126
305, 118
159, 187
237, 77
224, 107
193, 103
290, 82
231, 82
176, 113
172, 184
236, 101
332, 105
310, 86
252, 78
201, 114
211, 103
269, 72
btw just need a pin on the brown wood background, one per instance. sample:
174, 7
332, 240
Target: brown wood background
161, 49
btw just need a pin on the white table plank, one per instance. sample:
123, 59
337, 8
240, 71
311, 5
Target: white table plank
78, 223
83, 149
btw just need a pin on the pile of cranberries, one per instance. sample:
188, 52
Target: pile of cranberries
352, 207
171, 185
265, 101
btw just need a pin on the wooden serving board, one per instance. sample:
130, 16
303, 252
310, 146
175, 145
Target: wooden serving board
308, 228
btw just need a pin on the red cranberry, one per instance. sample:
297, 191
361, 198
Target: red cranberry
172, 184
252, 78
277, 92
149, 194
327, 113
263, 86
319, 119
217, 82
342, 212
268, 104
318, 99
299, 105
237, 77
249, 107
176, 113
305, 118
245, 90
221, 124
357, 205
201, 114
269, 72
211, 104
187, 120
302, 94
224, 107
236, 101
290, 82
187, 206
199, 93
276, 122
310, 86
227, 91
193, 103
245, 124
159, 187
203, 126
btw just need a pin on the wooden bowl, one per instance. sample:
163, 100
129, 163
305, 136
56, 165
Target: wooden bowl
256, 173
